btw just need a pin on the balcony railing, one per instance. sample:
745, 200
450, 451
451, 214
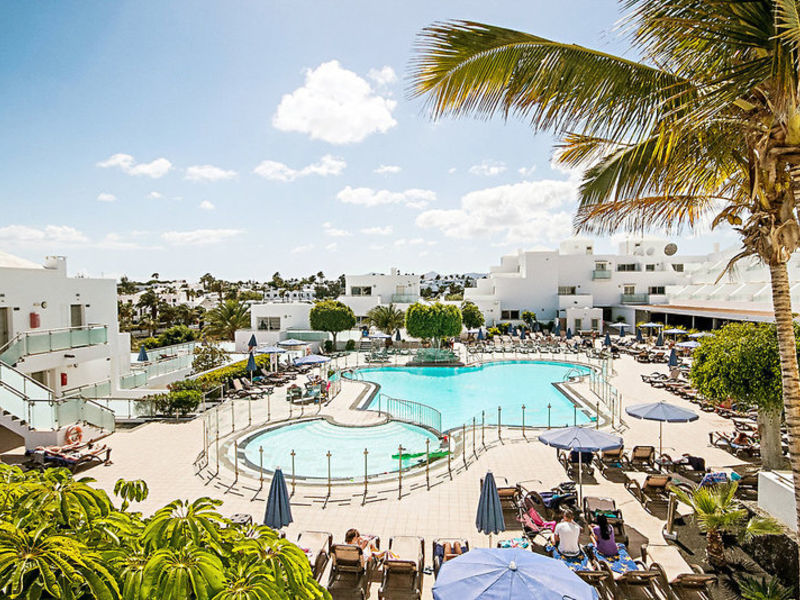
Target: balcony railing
600, 274
635, 298
405, 298
52, 340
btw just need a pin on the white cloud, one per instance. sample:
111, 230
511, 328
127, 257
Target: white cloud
528, 212
383, 76
334, 105
155, 195
303, 248
332, 247
206, 205
376, 247
116, 241
527, 171
378, 230
60, 234
106, 197
363, 196
208, 173
199, 237
411, 242
451, 170
277, 171
387, 169
334, 232
155, 169
488, 168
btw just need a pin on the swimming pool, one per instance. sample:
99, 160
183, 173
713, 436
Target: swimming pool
311, 440
461, 393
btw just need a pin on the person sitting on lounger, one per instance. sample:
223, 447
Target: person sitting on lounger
566, 535
603, 536
452, 550
354, 538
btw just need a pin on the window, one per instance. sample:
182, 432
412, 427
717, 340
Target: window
596, 324
269, 323
626, 267
601, 266
656, 289
509, 314
361, 290
678, 267
578, 325
76, 315
629, 289
566, 290
650, 268
589, 250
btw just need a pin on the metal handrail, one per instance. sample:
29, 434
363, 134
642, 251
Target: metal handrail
410, 411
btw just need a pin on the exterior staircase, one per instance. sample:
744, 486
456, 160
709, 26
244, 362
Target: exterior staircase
31, 410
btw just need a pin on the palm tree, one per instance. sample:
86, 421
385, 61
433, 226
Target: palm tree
181, 522
707, 125
63, 499
150, 301
180, 573
223, 321
387, 319
717, 511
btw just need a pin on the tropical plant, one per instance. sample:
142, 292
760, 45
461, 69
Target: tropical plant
433, 321
753, 588
705, 126
741, 362
208, 356
471, 315
331, 316
223, 320
717, 511
135, 490
177, 334
529, 317
181, 522
387, 319
62, 499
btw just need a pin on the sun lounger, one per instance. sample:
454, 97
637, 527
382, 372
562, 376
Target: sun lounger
509, 494
684, 585
691, 467
641, 457
609, 460
317, 546
601, 581
594, 506
642, 584
402, 569
572, 460
649, 488
73, 459
534, 525
350, 575
437, 550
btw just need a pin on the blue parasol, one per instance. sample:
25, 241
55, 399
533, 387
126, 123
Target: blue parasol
489, 519
143, 355
279, 511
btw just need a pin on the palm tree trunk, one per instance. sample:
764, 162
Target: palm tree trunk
787, 347
769, 435
715, 548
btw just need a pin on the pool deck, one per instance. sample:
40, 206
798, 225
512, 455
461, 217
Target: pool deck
164, 455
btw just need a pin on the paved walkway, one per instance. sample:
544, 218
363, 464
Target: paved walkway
164, 455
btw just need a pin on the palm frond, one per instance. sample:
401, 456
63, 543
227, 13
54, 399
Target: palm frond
468, 68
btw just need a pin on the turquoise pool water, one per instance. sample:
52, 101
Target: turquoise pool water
461, 393
311, 441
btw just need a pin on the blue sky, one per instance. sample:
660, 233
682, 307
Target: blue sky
245, 138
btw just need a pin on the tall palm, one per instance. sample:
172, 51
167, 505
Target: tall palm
387, 319
707, 125
150, 302
223, 320
717, 511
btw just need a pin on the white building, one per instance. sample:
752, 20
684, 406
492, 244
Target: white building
272, 322
364, 292
566, 283
57, 334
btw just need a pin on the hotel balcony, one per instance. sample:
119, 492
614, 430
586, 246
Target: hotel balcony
635, 298
47, 341
603, 274
404, 298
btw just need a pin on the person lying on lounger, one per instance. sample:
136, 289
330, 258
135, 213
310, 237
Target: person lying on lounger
451, 551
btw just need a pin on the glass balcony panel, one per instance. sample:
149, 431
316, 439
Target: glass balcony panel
38, 343
98, 335
12, 403
42, 415
68, 411
79, 337
601, 274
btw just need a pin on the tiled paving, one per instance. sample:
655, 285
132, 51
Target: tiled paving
164, 454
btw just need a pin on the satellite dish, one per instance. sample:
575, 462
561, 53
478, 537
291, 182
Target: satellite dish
670, 249
650, 251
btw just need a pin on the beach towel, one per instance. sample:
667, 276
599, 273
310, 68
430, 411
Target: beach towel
575, 563
619, 563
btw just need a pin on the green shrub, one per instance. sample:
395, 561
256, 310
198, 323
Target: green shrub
350, 345
176, 402
149, 342
207, 357
328, 345
178, 334
232, 371
493, 331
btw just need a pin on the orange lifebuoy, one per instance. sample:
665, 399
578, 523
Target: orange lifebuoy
74, 434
